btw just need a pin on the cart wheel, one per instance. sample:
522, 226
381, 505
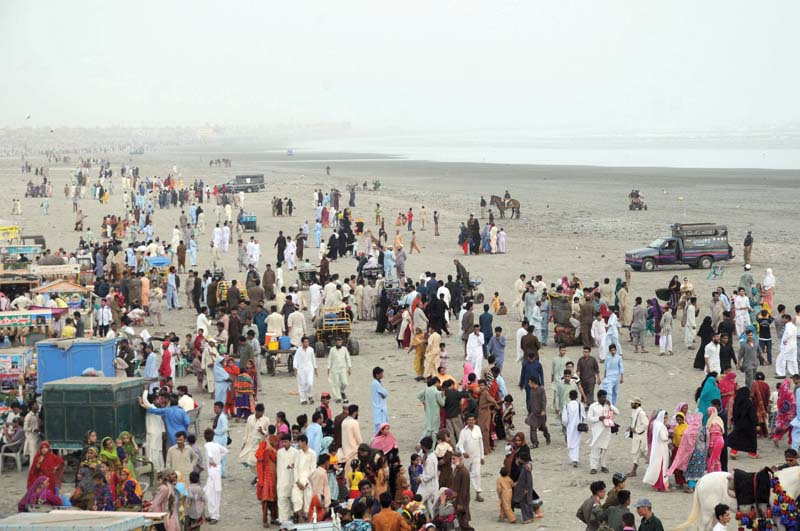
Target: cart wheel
352, 346
270, 365
319, 349
479, 298
290, 362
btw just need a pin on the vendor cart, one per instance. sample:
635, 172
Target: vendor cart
306, 277
249, 222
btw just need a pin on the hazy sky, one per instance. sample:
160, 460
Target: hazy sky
530, 65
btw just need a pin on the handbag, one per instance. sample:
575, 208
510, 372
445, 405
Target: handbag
583, 427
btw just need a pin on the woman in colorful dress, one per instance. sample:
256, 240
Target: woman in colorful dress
715, 429
786, 412
244, 391
47, 464
129, 492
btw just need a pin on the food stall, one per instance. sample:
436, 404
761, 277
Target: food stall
25, 325
70, 272
15, 257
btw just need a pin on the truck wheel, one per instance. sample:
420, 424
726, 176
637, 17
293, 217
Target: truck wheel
248, 190
352, 346
705, 262
648, 265
479, 298
270, 365
319, 349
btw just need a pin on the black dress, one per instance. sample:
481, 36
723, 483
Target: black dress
743, 436
705, 333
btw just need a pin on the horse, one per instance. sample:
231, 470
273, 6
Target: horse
712, 489
502, 205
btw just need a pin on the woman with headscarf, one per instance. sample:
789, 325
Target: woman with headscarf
384, 439
109, 455
654, 315
444, 511
786, 412
523, 494
657, 473
727, 388
707, 392
677, 437
244, 390
689, 460
682, 407
518, 448
166, 500
131, 450
267, 478
760, 393
742, 437
674, 294
706, 334
129, 492
91, 461
768, 288
714, 429
39, 493
47, 464
82, 496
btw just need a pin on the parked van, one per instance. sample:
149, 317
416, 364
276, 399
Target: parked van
697, 245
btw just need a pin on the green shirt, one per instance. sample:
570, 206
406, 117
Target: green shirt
651, 524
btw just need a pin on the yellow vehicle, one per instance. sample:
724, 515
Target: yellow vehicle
9, 232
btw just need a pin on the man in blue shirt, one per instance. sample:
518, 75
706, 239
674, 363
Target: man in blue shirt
378, 395
530, 368
497, 347
175, 418
314, 433
172, 289
220, 426
485, 321
615, 374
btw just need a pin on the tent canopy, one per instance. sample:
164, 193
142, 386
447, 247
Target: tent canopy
61, 286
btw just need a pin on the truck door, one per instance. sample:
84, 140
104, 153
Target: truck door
667, 254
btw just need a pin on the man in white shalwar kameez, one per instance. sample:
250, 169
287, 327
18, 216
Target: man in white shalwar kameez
226, 237
786, 363
599, 335
216, 236
285, 468
31, 427
470, 444
429, 480
742, 305
296, 327
475, 343
290, 254
315, 293
305, 369
305, 462
571, 415
255, 430
519, 289
639, 423
600, 419
215, 453
154, 428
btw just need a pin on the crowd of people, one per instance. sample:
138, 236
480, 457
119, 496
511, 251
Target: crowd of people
319, 467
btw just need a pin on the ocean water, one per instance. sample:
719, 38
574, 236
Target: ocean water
618, 151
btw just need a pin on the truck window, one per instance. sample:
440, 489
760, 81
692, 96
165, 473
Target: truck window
657, 243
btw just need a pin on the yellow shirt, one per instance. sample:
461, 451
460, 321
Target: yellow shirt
355, 478
68, 332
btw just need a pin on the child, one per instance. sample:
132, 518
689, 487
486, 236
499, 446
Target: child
354, 477
199, 372
504, 487
414, 472
442, 356
773, 407
496, 302
628, 522
192, 442
197, 503
508, 415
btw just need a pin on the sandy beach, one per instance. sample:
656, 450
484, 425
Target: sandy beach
574, 219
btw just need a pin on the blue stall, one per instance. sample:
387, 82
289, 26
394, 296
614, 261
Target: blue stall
64, 358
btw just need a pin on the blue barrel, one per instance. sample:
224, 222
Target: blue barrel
284, 343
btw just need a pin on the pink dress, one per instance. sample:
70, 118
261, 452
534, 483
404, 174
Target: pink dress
715, 446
